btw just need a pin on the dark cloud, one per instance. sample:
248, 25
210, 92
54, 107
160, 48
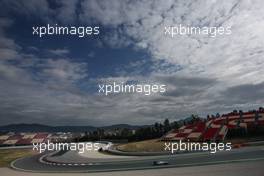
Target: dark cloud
187, 81
185, 86
246, 92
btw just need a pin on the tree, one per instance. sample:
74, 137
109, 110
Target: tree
157, 128
175, 125
125, 133
167, 126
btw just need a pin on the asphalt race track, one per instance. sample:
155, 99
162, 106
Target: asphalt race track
248, 154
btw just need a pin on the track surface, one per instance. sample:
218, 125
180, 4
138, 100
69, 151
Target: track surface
183, 160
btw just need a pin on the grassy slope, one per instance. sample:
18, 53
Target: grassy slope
143, 146
8, 155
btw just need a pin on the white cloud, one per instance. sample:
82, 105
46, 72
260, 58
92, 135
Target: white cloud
230, 60
223, 57
63, 70
67, 13
59, 51
233, 59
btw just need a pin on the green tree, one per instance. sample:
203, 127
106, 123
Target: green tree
167, 126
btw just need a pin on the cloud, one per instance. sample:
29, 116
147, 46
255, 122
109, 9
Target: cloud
203, 74
246, 93
37, 89
219, 63
67, 12
62, 70
186, 86
53, 12
91, 54
59, 51
39, 9
8, 47
222, 57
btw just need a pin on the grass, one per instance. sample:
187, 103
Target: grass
153, 145
8, 155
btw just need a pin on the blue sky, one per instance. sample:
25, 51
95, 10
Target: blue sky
102, 60
54, 79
